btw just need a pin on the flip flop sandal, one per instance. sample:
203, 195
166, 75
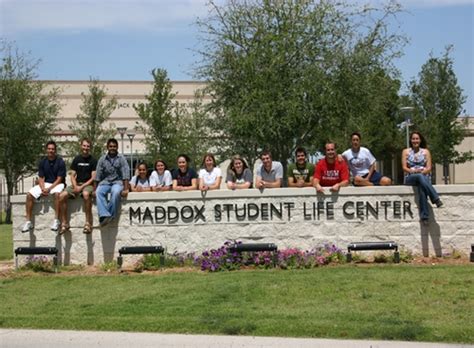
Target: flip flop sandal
87, 228
64, 228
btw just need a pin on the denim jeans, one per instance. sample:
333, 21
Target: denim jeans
424, 189
108, 208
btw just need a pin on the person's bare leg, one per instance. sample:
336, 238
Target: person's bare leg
385, 181
30, 202
87, 206
57, 209
359, 181
63, 197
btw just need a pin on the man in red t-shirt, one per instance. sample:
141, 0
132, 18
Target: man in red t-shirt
331, 172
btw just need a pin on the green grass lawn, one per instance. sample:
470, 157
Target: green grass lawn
389, 302
6, 242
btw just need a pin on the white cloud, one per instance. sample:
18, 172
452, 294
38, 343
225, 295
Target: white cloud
150, 15
74, 15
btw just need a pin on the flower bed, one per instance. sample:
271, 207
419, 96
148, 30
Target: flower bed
223, 259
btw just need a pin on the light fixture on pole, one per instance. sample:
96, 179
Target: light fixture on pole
407, 111
130, 136
122, 131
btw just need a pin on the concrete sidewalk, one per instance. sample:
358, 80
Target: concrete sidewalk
13, 338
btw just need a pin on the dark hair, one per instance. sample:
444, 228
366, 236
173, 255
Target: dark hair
51, 142
141, 163
299, 150
232, 164
186, 157
266, 153
356, 133
112, 140
203, 164
146, 171
162, 161
423, 143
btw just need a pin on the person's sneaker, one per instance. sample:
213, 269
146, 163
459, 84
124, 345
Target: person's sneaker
27, 227
55, 225
439, 203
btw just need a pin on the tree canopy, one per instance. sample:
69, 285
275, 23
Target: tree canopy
170, 127
438, 103
96, 109
27, 115
284, 73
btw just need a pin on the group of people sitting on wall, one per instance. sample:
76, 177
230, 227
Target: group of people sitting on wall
109, 177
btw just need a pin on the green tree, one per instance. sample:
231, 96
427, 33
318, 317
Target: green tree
438, 103
284, 73
27, 116
96, 109
170, 127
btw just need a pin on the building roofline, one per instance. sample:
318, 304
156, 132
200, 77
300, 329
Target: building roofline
120, 81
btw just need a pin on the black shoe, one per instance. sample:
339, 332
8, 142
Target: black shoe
104, 220
439, 203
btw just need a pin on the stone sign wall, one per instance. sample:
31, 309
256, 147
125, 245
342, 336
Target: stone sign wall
191, 221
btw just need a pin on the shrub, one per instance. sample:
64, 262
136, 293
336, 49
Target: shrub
109, 266
38, 264
406, 256
151, 262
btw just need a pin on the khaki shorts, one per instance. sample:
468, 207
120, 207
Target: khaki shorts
71, 194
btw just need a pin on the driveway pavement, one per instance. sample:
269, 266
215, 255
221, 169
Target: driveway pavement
13, 338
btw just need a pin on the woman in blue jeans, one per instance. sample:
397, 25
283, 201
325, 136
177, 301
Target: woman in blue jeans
416, 164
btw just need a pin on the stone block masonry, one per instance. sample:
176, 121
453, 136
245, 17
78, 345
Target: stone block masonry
191, 221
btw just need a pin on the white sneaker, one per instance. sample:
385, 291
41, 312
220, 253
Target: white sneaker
55, 225
27, 227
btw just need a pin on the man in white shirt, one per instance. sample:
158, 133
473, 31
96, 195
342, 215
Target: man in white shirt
362, 164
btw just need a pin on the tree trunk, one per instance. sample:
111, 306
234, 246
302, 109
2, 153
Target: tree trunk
10, 185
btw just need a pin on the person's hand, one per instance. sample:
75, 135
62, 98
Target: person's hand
205, 188
300, 183
232, 185
77, 189
125, 193
45, 191
319, 189
261, 184
335, 188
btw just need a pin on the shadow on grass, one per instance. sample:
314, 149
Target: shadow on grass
393, 328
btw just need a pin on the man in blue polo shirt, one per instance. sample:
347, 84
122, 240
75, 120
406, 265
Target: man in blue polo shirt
52, 174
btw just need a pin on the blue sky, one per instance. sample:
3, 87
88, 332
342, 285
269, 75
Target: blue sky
125, 39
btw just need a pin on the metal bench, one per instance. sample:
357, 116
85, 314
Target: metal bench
38, 251
255, 247
140, 250
364, 246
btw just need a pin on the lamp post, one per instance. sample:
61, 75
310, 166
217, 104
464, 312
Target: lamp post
130, 136
407, 110
122, 131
